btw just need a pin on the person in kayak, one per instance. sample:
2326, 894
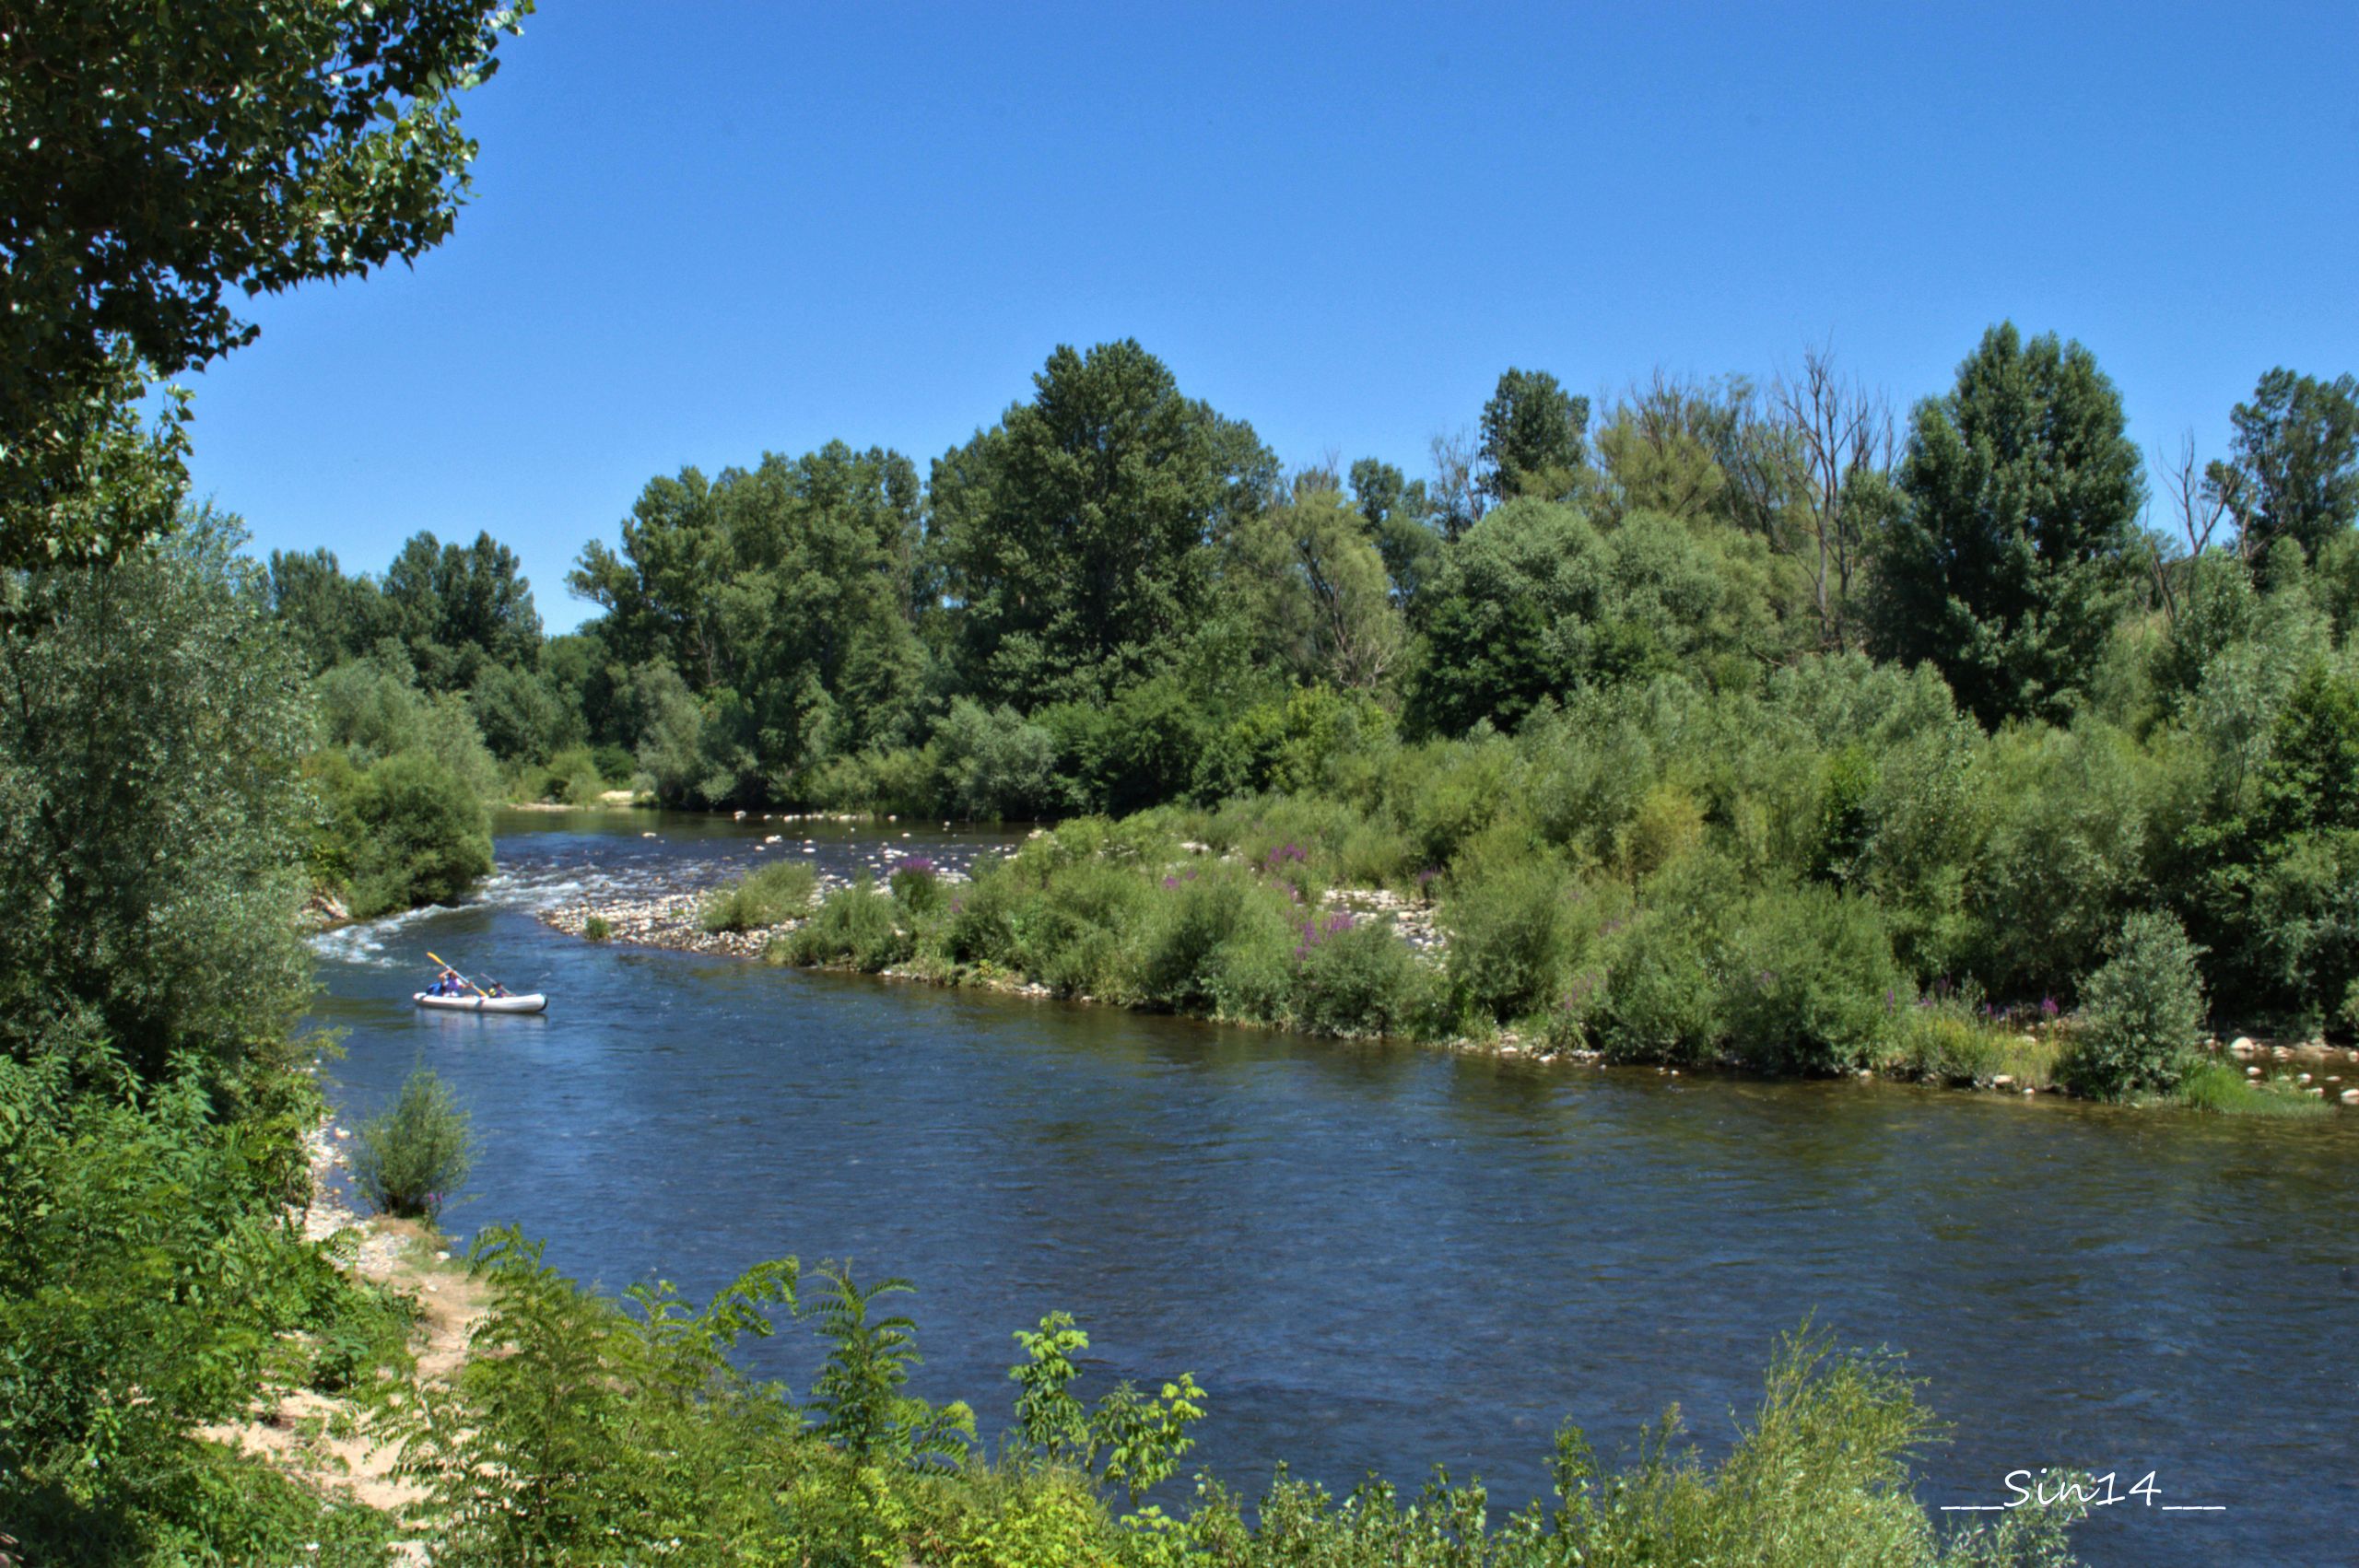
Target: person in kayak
446, 983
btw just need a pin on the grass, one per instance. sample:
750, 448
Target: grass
2222, 1088
779, 892
1950, 1042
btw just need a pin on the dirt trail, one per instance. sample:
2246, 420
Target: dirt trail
311, 1436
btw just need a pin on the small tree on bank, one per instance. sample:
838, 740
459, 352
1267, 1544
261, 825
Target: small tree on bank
2140, 1015
413, 1160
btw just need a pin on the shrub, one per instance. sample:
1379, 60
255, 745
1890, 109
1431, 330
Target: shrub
853, 926
575, 778
982, 925
1511, 933
615, 763
916, 886
1079, 933
148, 1289
1810, 976
2139, 1014
1201, 923
149, 823
413, 1159
1662, 999
597, 928
1941, 1040
994, 763
422, 835
1357, 977
769, 895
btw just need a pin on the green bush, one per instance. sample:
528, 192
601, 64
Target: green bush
1357, 977
2140, 1013
411, 1160
995, 764
614, 763
149, 1287
982, 928
1512, 937
150, 822
853, 926
1943, 1041
597, 928
1810, 980
1662, 997
1080, 932
768, 895
575, 778
1202, 922
416, 834
916, 887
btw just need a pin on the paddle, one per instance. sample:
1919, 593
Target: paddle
463, 979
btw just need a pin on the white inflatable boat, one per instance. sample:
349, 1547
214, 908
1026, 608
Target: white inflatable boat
532, 1002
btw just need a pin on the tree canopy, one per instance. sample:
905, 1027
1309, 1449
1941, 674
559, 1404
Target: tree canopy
2293, 472
2016, 545
1077, 535
1534, 436
154, 161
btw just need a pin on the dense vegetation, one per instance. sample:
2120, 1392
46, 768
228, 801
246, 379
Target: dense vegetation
1758, 683
1746, 670
153, 1285
1108, 600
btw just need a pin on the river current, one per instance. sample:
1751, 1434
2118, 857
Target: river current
1379, 1258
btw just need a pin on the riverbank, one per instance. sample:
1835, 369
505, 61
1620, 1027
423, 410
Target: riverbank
936, 928
322, 1441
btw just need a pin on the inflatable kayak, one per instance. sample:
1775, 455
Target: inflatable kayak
531, 1002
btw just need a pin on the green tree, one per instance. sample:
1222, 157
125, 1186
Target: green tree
457, 609
1077, 535
2139, 1014
2016, 545
1533, 438
1315, 589
787, 595
150, 808
2295, 472
1395, 511
154, 164
1534, 603
330, 617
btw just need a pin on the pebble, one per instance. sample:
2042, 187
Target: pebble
2252, 1072
2351, 1096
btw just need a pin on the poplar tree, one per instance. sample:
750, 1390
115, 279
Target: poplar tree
2017, 540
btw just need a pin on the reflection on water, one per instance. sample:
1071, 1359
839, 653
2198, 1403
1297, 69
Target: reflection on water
1383, 1259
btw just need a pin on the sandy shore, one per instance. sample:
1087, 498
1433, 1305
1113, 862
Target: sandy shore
320, 1440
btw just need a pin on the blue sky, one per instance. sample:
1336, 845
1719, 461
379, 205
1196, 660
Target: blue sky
703, 231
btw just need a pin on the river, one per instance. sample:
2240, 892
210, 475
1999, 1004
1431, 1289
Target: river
1382, 1258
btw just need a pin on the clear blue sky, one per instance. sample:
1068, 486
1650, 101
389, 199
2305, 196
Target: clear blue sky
703, 231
